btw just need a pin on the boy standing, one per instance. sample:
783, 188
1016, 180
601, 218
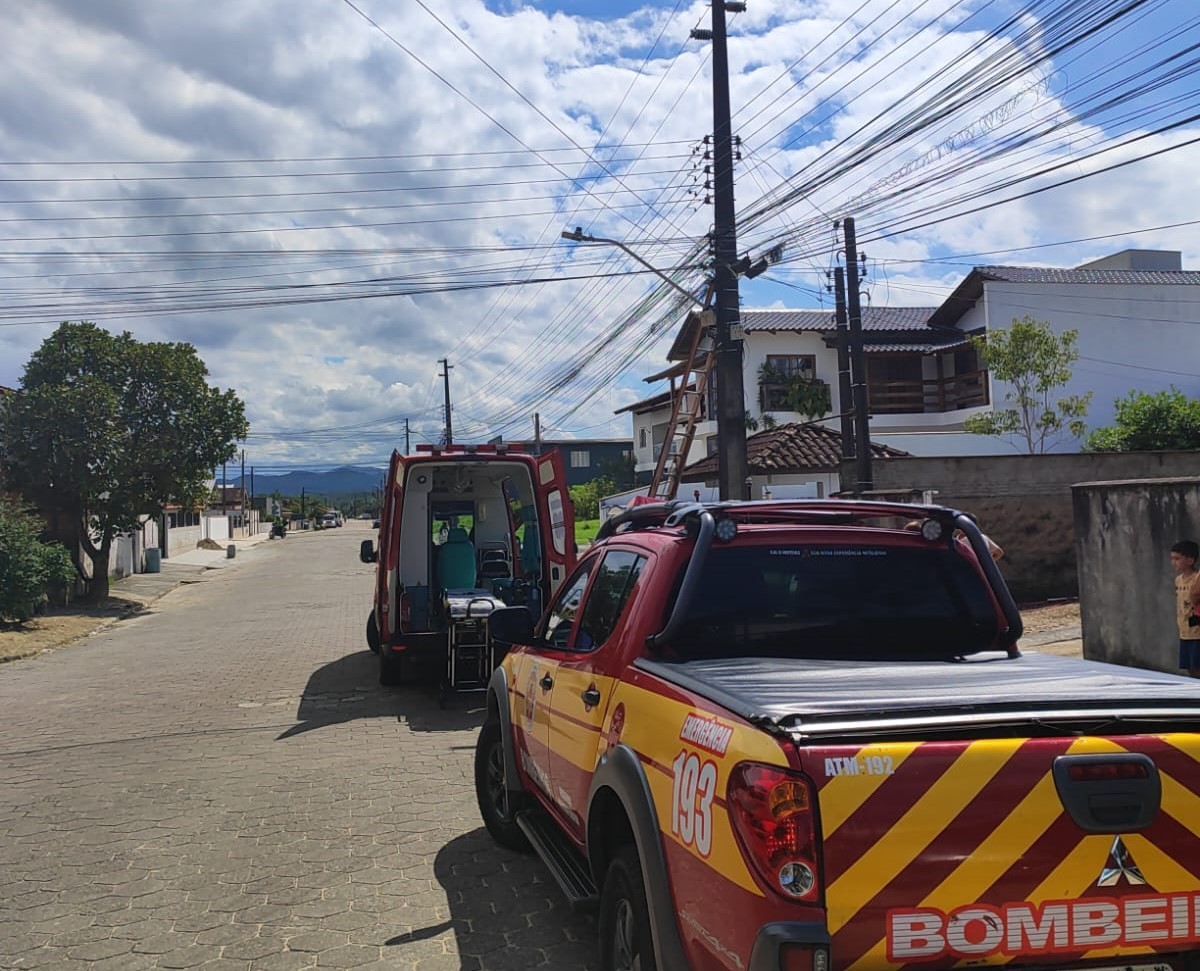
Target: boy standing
1184, 555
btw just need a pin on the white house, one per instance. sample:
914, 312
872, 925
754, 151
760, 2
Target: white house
1137, 314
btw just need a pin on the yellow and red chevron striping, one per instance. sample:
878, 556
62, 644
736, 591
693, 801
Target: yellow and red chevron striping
965, 823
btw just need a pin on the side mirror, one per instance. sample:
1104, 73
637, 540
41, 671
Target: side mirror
511, 625
366, 551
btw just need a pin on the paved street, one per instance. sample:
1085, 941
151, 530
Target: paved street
219, 782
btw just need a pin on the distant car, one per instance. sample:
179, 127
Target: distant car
376, 524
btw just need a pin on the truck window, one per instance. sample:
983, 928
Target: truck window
611, 589
837, 602
560, 621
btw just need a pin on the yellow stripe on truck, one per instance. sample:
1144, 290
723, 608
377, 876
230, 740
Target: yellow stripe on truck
843, 795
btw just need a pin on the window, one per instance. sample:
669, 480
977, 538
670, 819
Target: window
581, 458
778, 373
615, 580
560, 622
837, 602
642, 438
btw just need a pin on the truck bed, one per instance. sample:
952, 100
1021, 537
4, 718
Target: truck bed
824, 698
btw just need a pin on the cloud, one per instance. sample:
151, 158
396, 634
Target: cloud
397, 192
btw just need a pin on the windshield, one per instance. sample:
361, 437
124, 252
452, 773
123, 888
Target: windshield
840, 602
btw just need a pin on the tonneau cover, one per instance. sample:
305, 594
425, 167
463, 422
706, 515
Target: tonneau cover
828, 697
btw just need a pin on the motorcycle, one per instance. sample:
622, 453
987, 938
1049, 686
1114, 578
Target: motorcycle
278, 529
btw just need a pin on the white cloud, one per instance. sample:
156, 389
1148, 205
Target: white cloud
125, 80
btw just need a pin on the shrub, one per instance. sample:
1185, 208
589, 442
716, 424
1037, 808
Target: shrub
28, 567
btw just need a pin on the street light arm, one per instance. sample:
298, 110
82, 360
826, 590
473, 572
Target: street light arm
578, 237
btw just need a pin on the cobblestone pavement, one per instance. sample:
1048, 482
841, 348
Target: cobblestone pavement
220, 783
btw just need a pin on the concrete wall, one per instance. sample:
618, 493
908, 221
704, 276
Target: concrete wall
1123, 535
1024, 503
183, 539
127, 554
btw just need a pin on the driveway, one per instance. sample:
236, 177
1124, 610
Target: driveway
219, 782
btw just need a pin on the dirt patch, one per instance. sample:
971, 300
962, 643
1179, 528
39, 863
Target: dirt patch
62, 626
1050, 617
209, 544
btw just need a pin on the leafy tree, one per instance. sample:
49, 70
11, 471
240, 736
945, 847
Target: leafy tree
28, 567
107, 429
1150, 423
586, 497
1037, 363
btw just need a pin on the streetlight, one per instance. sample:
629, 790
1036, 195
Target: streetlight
579, 237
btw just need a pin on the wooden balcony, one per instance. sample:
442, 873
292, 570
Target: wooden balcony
931, 396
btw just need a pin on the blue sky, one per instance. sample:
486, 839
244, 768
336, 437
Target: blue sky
326, 207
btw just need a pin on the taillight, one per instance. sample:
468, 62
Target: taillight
1107, 771
774, 818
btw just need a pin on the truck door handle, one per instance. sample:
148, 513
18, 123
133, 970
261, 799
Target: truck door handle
547, 682
591, 697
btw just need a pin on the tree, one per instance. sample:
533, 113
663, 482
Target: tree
1150, 423
586, 497
28, 567
1037, 363
108, 429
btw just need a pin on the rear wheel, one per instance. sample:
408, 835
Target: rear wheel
626, 941
372, 633
496, 804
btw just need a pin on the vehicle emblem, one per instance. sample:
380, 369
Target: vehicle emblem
1120, 864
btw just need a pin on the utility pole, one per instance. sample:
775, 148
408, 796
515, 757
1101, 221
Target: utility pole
303, 507
242, 486
845, 394
862, 444
406, 442
537, 433
252, 490
446, 375
731, 402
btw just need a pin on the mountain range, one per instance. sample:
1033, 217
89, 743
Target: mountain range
346, 480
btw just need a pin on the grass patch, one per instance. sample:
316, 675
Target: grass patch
585, 531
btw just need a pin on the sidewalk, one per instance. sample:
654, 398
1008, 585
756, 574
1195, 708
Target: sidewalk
62, 626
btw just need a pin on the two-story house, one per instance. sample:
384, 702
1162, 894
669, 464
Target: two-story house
1134, 312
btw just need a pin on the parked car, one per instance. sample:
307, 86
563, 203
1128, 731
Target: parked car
776, 736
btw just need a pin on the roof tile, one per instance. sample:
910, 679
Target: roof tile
791, 448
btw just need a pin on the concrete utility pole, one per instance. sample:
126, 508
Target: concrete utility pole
242, 485
406, 442
731, 399
862, 444
446, 375
537, 433
845, 394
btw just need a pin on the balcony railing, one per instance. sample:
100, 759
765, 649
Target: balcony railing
968, 390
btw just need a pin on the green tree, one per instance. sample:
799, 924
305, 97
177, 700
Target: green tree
107, 429
28, 566
1150, 423
586, 497
1036, 362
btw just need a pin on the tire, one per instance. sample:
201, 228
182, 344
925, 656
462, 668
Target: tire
372, 633
626, 939
496, 804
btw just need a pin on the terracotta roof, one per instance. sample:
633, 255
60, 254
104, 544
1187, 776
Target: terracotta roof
874, 318
787, 449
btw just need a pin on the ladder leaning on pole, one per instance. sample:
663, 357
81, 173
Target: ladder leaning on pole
687, 403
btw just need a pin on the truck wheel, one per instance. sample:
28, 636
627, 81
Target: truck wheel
626, 942
372, 633
496, 803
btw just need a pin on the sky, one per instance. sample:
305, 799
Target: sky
327, 197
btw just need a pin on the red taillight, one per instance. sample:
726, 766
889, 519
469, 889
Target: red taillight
1107, 771
405, 612
772, 812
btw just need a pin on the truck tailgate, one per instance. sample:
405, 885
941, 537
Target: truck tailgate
943, 853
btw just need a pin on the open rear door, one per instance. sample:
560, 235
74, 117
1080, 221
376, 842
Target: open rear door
389, 553
556, 513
